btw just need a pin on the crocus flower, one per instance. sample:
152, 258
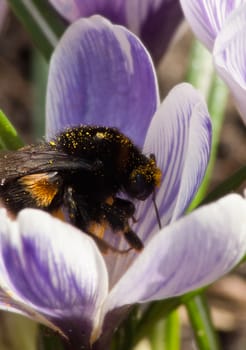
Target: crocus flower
51, 271
154, 22
221, 27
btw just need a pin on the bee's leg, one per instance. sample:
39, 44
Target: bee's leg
82, 221
124, 205
117, 214
105, 247
73, 211
133, 239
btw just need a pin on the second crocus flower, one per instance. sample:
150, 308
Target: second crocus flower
221, 27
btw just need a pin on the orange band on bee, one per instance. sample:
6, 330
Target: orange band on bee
97, 229
40, 187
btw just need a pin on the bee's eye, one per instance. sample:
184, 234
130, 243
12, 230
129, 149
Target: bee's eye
140, 186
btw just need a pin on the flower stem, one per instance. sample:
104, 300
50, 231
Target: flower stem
40, 76
200, 70
172, 332
157, 335
165, 333
199, 316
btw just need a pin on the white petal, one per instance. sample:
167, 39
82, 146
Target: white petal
207, 17
191, 253
51, 267
180, 137
101, 74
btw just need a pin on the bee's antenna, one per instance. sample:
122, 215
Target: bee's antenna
156, 210
152, 156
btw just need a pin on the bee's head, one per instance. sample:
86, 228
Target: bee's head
143, 179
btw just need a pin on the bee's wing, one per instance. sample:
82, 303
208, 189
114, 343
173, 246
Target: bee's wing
38, 159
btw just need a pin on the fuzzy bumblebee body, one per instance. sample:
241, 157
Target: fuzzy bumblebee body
83, 170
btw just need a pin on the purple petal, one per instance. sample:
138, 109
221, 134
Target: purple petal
180, 138
230, 56
207, 17
189, 254
101, 74
54, 269
153, 21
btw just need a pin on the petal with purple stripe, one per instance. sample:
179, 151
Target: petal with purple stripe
230, 56
53, 268
101, 74
180, 137
191, 253
207, 17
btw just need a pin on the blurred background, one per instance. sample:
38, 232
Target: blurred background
23, 75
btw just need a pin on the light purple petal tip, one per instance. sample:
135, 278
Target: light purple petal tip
230, 56
207, 17
101, 74
189, 254
153, 21
53, 268
180, 138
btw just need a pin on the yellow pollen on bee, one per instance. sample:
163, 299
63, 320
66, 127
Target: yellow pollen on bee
150, 172
101, 135
157, 177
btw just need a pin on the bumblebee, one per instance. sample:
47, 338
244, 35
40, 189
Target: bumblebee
84, 171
